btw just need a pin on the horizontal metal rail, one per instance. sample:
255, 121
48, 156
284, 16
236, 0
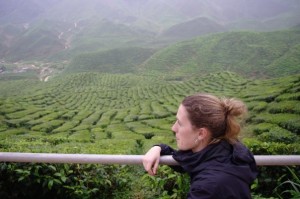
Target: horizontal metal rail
261, 160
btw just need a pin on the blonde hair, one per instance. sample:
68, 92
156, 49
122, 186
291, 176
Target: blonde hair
219, 115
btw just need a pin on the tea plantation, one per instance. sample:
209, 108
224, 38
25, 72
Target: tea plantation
108, 114
95, 106
102, 113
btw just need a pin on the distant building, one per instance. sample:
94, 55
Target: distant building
2, 68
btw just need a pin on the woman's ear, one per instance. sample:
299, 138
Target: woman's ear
203, 133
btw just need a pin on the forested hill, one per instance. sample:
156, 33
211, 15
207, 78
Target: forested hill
265, 54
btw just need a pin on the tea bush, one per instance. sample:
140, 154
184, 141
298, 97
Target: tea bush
167, 184
19, 180
277, 134
290, 122
285, 107
275, 175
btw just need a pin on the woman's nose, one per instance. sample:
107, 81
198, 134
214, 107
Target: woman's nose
173, 128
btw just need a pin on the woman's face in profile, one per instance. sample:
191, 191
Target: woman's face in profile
186, 134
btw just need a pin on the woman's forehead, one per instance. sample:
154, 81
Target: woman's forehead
182, 112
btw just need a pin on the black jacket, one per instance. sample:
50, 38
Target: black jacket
219, 171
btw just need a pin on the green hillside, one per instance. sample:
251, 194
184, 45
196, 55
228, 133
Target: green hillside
95, 36
193, 28
104, 113
35, 43
269, 54
122, 60
91, 112
56, 40
59, 30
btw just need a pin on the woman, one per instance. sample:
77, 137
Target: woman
206, 131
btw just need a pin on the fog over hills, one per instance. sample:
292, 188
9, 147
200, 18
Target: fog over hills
53, 30
158, 12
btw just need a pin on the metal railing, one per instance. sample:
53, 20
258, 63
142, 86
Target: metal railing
261, 160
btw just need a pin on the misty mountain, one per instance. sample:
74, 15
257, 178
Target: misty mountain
60, 30
159, 12
193, 28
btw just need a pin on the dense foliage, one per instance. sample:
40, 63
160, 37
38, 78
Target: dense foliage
64, 181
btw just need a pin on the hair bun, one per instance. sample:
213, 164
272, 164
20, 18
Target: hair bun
233, 107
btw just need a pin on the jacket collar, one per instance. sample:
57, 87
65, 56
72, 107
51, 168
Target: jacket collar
233, 159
